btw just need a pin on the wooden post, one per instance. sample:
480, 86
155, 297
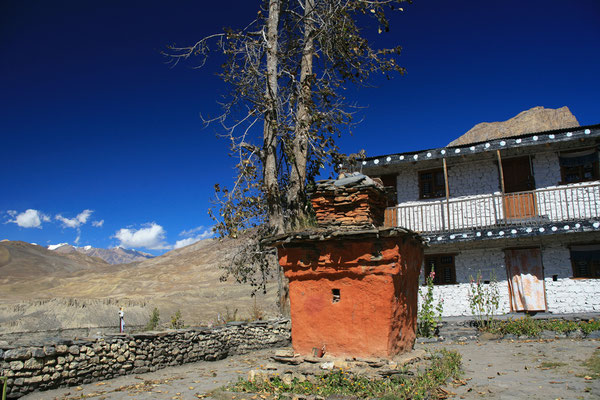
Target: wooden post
502, 197
501, 172
447, 191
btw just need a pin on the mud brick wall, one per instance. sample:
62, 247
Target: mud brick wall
75, 362
349, 206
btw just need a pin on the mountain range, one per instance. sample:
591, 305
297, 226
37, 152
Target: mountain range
116, 255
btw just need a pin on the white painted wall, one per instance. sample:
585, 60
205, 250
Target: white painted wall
546, 169
566, 295
408, 186
471, 203
473, 178
471, 186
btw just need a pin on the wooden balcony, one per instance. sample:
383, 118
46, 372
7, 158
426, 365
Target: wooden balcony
566, 203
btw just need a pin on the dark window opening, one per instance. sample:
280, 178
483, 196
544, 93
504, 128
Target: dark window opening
517, 173
579, 166
432, 184
443, 266
336, 295
586, 261
391, 188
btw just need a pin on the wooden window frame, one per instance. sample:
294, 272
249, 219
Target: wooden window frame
437, 280
580, 170
593, 266
438, 191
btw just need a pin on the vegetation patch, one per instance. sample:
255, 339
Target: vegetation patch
429, 316
444, 365
153, 321
533, 327
551, 365
593, 365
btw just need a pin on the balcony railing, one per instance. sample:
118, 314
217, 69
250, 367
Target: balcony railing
566, 203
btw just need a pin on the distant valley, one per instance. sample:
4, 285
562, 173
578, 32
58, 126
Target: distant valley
46, 289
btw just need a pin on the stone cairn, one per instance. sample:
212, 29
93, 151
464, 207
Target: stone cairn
349, 242
352, 201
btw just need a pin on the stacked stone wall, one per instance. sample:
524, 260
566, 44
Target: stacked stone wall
573, 295
546, 169
341, 206
473, 178
75, 362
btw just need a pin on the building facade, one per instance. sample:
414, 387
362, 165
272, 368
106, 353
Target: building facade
523, 211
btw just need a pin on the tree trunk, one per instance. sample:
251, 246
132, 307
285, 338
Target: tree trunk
270, 138
271, 186
296, 194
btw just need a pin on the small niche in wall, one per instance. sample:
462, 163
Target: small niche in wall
336, 295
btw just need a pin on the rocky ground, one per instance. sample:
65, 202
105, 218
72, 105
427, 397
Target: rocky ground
506, 369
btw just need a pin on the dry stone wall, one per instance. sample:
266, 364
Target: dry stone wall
74, 362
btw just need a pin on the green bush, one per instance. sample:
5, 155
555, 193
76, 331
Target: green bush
177, 321
429, 316
153, 321
484, 300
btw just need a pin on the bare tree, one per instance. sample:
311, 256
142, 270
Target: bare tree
287, 69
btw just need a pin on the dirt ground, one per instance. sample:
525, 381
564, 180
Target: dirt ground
525, 369
550, 369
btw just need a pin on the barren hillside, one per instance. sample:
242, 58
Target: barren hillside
536, 119
42, 289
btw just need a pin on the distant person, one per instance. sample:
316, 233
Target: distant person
121, 321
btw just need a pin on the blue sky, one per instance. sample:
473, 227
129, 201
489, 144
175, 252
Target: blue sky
102, 140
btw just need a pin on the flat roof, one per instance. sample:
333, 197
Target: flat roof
528, 139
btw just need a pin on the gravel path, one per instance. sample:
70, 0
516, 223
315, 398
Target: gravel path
550, 369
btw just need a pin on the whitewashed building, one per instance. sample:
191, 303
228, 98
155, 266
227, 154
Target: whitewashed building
524, 209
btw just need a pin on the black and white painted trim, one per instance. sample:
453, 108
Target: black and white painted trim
491, 145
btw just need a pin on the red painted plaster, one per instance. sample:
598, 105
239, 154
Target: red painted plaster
378, 283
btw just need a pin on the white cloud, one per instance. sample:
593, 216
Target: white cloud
76, 222
205, 234
191, 232
29, 218
150, 237
98, 224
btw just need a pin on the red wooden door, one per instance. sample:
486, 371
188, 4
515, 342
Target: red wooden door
518, 178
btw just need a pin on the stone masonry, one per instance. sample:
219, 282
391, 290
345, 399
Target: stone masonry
363, 203
476, 203
353, 284
563, 294
75, 362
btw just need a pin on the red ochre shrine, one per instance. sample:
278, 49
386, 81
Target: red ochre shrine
353, 285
